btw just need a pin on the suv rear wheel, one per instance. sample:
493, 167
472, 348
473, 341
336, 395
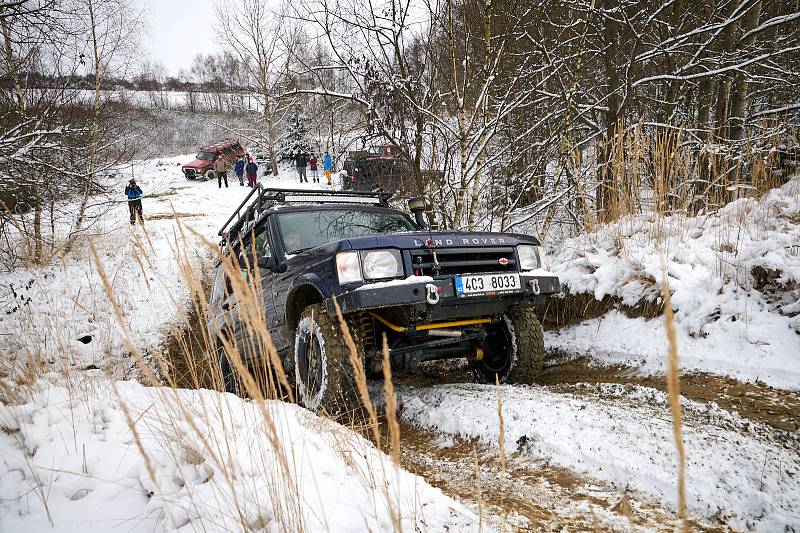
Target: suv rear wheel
323, 374
209, 174
514, 349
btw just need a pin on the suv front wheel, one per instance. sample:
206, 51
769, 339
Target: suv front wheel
514, 349
323, 373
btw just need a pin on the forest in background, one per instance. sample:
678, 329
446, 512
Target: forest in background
512, 115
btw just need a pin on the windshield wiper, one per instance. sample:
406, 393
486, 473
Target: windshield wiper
301, 250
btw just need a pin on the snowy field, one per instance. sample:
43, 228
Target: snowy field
199, 461
79, 451
727, 322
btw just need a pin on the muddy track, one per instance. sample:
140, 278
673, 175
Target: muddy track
779, 409
530, 495
757, 402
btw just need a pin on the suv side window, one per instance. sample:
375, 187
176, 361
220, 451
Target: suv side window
263, 248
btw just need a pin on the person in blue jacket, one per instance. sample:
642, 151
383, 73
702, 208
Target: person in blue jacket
134, 194
327, 166
238, 169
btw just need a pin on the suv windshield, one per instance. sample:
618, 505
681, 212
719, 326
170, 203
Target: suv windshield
205, 156
302, 230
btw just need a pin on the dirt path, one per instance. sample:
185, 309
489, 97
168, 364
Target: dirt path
529, 495
777, 408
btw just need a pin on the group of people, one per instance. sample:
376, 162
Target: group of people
303, 160
244, 165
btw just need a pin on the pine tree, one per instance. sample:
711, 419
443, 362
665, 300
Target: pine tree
296, 134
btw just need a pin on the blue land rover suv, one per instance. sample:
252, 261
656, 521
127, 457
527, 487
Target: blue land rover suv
316, 255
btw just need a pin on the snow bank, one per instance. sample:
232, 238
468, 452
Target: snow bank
208, 461
736, 475
728, 323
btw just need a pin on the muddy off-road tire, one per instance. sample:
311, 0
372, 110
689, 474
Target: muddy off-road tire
323, 373
514, 349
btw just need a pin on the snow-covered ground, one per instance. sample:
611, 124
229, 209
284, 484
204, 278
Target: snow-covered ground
199, 461
194, 460
206, 461
47, 309
735, 474
725, 324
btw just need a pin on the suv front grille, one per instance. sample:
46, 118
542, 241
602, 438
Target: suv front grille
464, 260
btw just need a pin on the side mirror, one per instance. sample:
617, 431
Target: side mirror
267, 262
417, 206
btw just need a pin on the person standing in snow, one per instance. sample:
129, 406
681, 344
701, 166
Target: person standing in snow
134, 194
327, 166
221, 170
238, 169
301, 160
312, 164
252, 172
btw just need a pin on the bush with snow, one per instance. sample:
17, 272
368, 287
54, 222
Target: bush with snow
734, 278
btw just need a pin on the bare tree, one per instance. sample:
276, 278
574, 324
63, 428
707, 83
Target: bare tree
251, 31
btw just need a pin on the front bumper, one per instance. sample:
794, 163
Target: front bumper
193, 172
416, 295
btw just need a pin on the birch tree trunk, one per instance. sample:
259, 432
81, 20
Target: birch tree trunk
89, 186
487, 58
462, 126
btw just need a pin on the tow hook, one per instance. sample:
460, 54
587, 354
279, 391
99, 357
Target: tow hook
477, 356
431, 293
534, 283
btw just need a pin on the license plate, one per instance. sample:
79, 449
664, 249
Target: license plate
486, 284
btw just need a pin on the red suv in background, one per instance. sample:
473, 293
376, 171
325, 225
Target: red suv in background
203, 165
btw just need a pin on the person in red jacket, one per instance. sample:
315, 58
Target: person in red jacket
312, 164
252, 172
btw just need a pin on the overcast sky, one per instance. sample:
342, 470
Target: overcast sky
179, 29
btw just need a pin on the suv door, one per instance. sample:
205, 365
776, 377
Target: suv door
263, 249
224, 306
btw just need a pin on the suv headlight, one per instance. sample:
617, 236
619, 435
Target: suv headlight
528, 257
348, 267
381, 264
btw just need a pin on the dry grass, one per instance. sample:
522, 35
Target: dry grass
182, 426
501, 440
674, 394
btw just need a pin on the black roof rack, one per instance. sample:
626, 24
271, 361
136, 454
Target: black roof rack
251, 209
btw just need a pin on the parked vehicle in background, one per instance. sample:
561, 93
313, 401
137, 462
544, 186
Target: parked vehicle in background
203, 164
380, 167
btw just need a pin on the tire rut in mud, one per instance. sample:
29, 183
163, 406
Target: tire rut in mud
530, 495
757, 402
